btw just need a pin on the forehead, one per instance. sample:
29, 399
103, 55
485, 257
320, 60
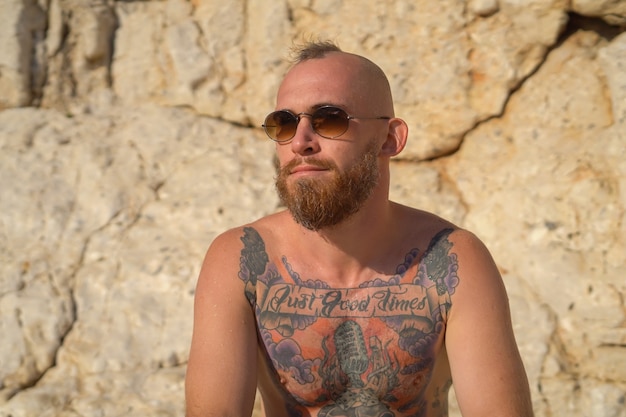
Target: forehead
334, 79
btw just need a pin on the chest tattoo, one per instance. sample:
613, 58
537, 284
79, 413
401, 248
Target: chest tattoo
354, 351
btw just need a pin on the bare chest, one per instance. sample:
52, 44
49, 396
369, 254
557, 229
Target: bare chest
372, 349
374, 346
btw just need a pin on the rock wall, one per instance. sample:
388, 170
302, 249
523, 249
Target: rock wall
129, 137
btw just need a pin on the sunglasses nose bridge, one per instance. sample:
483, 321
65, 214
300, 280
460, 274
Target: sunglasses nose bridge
305, 138
299, 118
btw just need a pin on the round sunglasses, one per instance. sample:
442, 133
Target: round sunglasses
329, 122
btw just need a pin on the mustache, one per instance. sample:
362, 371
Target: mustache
316, 162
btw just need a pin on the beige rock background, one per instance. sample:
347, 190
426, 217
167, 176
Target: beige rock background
129, 137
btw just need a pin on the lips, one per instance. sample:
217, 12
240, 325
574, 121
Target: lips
306, 168
307, 165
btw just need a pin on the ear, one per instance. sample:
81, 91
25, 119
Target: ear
396, 138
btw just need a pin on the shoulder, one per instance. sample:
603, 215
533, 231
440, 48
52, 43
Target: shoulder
439, 233
465, 251
232, 241
478, 277
473, 254
224, 247
243, 247
455, 257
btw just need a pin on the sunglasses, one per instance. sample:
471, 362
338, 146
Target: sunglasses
329, 122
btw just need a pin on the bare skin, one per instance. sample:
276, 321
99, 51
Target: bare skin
375, 316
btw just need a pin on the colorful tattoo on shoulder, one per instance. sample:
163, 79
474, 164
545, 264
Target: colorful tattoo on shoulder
371, 341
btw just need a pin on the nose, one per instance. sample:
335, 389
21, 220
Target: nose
305, 141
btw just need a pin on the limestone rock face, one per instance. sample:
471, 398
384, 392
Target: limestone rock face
129, 138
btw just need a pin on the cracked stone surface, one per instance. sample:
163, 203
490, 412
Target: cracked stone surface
129, 138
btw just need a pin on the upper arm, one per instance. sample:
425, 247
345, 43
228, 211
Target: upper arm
221, 372
487, 370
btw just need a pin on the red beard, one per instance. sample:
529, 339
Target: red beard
317, 203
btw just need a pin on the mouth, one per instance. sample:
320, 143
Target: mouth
305, 168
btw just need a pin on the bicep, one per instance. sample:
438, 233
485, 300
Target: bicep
487, 370
221, 372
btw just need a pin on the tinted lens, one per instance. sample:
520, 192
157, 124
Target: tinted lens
280, 125
330, 122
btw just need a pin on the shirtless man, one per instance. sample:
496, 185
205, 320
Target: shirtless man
348, 304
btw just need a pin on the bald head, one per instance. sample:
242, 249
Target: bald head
368, 82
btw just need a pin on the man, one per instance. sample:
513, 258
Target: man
348, 304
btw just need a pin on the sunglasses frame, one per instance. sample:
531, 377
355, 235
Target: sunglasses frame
297, 117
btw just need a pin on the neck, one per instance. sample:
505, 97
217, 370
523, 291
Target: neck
357, 244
